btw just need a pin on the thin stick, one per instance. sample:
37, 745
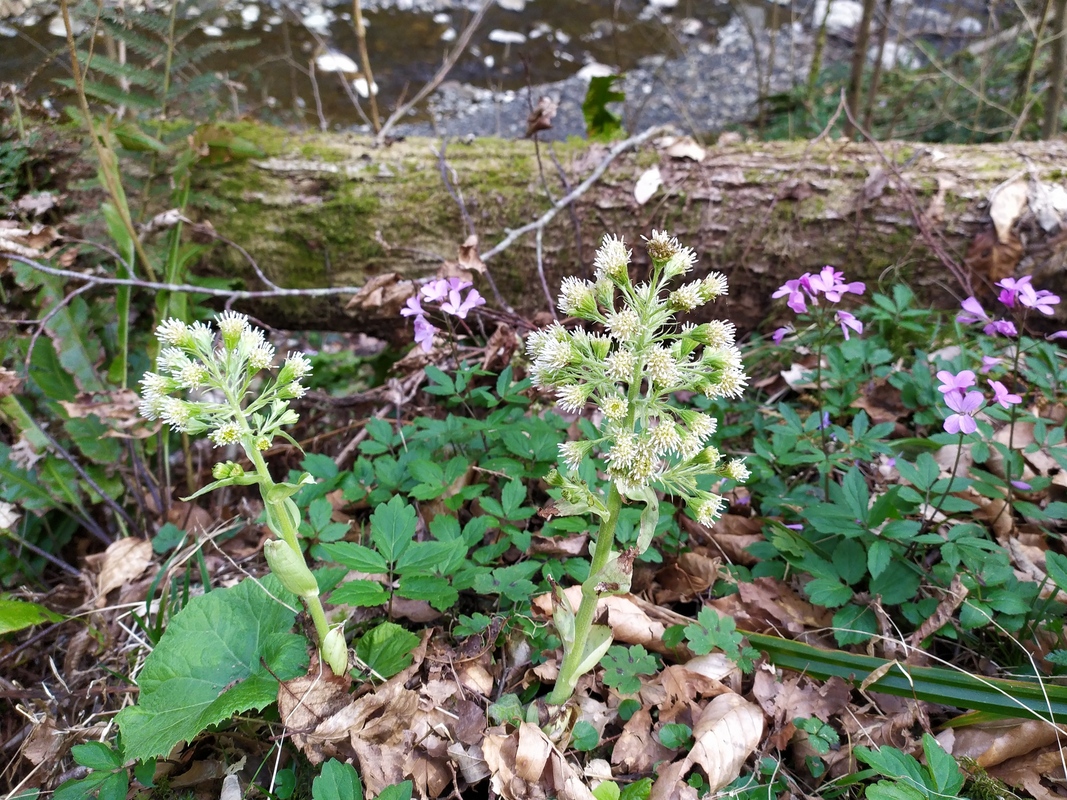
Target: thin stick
364, 59
582, 188
439, 76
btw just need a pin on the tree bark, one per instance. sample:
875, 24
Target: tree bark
332, 210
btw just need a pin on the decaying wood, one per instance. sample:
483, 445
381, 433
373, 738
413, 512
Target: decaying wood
331, 209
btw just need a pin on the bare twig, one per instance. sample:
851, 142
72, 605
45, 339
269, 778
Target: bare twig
439, 76
933, 240
618, 149
187, 288
368, 76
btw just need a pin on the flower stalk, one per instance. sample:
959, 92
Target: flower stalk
210, 383
636, 359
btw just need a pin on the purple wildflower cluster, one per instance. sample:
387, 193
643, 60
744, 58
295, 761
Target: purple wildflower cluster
1014, 293
965, 403
828, 283
448, 294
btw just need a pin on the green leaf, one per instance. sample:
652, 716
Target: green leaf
357, 557
360, 593
638, 790
948, 778
512, 497
337, 781
600, 123
887, 790
607, 790
398, 791
1056, 566
507, 710
438, 591
828, 592
897, 583
584, 736
221, 654
623, 665
115, 786
15, 615
676, 736
91, 436
96, 755
387, 649
392, 527
878, 557
432, 557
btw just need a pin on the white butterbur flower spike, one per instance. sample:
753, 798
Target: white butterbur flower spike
648, 356
173, 332
648, 440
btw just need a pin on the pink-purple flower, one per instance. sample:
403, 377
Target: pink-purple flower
828, 282
1002, 396
448, 293
965, 407
1021, 291
958, 383
781, 333
973, 312
847, 321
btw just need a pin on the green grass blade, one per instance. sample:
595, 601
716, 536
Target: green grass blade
996, 696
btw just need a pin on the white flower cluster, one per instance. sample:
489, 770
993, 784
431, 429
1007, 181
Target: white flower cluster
642, 357
193, 358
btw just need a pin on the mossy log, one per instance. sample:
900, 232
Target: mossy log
333, 210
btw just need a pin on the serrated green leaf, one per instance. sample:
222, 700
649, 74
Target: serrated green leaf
222, 653
828, 592
584, 736
1056, 566
879, 555
392, 527
15, 615
623, 665
96, 755
356, 557
359, 593
437, 591
398, 791
945, 771
387, 649
432, 557
638, 790
115, 786
337, 781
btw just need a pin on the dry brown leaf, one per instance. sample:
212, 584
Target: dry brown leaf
384, 294
682, 147
767, 604
510, 757
732, 535
690, 575
636, 749
124, 560
10, 382
726, 734
305, 702
1027, 772
191, 518
119, 410
996, 741
469, 259
45, 744
1006, 204
799, 696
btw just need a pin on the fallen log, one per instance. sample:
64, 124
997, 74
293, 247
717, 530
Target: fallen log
332, 210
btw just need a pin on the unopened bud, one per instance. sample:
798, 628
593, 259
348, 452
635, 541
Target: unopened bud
291, 569
334, 650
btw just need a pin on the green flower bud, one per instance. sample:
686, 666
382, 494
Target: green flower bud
290, 568
334, 650
225, 470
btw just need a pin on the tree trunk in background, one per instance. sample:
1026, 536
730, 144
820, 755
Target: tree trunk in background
859, 61
331, 210
1057, 72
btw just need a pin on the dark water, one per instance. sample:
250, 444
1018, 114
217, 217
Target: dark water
272, 80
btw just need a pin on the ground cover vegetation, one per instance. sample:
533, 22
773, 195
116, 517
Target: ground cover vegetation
620, 555
885, 524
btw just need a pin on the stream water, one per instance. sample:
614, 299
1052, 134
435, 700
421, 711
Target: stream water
517, 44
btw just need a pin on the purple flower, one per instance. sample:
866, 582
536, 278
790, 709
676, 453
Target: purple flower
1057, 335
796, 526
1042, 300
830, 282
1004, 327
988, 363
1022, 486
824, 423
973, 312
781, 333
1010, 289
424, 333
965, 406
413, 308
796, 300
847, 321
459, 308
955, 384
1003, 396
438, 290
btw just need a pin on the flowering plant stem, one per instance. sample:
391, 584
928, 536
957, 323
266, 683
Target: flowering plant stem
569, 672
289, 535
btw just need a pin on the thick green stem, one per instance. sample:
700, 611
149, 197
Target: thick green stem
583, 620
290, 537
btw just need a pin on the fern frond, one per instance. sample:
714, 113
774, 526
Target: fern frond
113, 95
140, 44
200, 52
137, 76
